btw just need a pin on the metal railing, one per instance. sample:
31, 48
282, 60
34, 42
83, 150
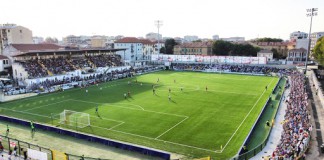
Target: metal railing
10, 143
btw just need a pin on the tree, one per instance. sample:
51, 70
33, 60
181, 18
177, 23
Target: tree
51, 40
199, 40
267, 39
169, 45
275, 53
221, 47
162, 50
318, 51
227, 48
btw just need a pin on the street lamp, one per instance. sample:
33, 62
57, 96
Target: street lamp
310, 13
158, 24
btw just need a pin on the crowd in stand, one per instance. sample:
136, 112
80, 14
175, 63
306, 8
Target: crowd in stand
105, 60
297, 127
229, 68
34, 69
59, 65
88, 80
80, 62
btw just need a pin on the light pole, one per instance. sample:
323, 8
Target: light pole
310, 13
158, 24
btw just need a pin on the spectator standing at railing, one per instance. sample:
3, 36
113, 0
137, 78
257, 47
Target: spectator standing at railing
7, 132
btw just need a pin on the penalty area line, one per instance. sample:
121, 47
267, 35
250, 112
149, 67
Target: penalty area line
171, 128
245, 117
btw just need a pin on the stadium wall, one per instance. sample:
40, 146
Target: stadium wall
248, 138
318, 87
91, 138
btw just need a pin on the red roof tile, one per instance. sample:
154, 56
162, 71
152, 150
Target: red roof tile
129, 40
3, 57
35, 47
195, 45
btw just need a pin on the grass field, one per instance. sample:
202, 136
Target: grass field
195, 122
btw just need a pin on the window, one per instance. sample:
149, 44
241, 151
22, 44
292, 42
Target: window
4, 61
20, 31
8, 30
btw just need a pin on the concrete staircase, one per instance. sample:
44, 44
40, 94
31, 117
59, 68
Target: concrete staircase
74, 67
92, 64
44, 67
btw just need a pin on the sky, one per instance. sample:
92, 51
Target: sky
135, 18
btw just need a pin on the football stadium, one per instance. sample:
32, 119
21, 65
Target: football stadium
93, 80
188, 105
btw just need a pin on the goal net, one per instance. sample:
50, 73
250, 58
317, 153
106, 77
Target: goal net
73, 118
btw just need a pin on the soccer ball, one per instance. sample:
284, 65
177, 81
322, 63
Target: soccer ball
100, 88
87, 91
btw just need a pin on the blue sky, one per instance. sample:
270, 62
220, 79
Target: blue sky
204, 18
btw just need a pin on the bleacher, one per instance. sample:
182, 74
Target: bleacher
38, 68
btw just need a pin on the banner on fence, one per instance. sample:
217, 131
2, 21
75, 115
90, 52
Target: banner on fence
57, 155
34, 154
210, 59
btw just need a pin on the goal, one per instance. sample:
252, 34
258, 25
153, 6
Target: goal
73, 118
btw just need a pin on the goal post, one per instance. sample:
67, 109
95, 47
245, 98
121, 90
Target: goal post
73, 118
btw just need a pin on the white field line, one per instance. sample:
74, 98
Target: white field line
25, 112
245, 117
233, 92
114, 105
46, 105
171, 128
178, 88
142, 109
116, 125
50, 94
111, 129
216, 76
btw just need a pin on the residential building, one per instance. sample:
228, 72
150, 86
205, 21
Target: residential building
234, 39
189, 38
98, 41
72, 39
194, 48
266, 53
153, 36
11, 33
298, 35
149, 48
297, 55
302, 43
134, 49
178, 40
314, 37
38, 40
281, 47
215, 37
4, 63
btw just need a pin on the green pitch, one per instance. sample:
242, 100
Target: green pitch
195, 122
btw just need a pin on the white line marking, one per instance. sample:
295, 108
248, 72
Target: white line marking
142, 109
171, 128
232, 92
111, 104
116, 125
25, 112
245, 118
45, 105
